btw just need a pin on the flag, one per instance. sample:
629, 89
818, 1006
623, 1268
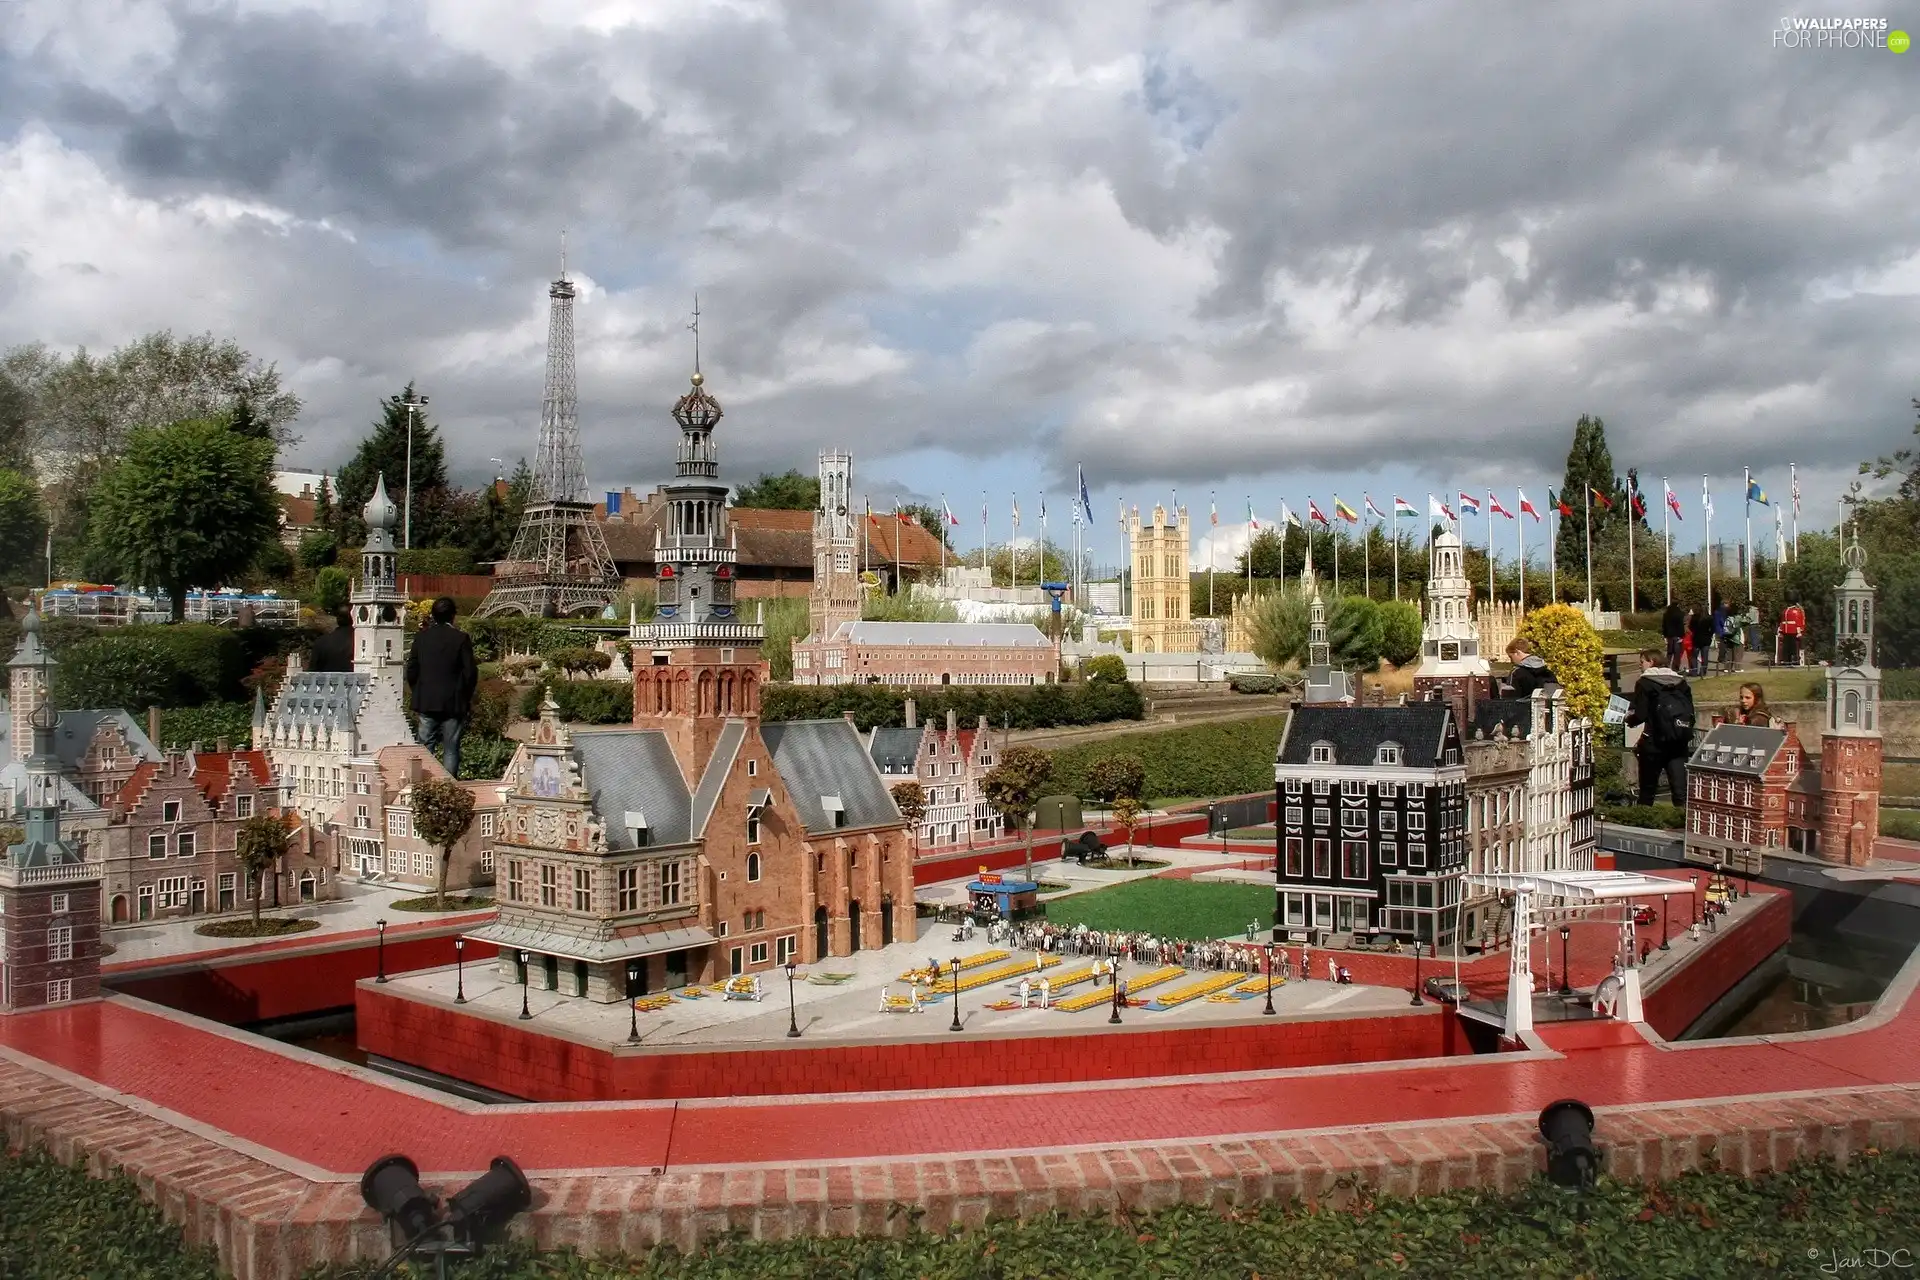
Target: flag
1469, 505
983, 511
1706, 501
1371, 509
1606, 503
1558, 504
1796, 493
1043, 509
1401, 507
947, 511
1344, 511
1288, 518
1253, 521
1635, 503
1526, 508
1493, 505
1673, 501
1756, 494
1314, 513
1213, 510
1779, 535
1438, 508
1016, 511
1086, 501
906, 517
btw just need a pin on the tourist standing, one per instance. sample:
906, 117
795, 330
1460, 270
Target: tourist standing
442, 674
334, 650
1673, 626
1700, 632
1530, 670
1662, 709
1723, 635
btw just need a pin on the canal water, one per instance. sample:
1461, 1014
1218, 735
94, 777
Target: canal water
1829, 980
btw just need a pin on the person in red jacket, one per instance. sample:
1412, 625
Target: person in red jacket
1793, 625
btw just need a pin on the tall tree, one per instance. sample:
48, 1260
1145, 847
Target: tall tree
788, 491
384, 452
1589, 466
23, 529
190, 505
1015, 785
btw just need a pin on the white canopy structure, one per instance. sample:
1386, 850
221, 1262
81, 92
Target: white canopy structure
1575, 886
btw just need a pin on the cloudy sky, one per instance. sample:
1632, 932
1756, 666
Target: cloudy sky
1266, 249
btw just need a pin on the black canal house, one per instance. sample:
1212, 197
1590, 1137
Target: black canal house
1372, 823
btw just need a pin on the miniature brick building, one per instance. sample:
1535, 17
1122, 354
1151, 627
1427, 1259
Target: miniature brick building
949, 763
372, 829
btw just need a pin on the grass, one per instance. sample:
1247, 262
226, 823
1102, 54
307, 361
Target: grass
267, 927
1713, 1225
1266, 831
1901, 824
1191, 909
454, 902
1789, 685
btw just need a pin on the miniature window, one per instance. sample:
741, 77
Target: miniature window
486, 825
753, 861
582, 889
170, 811
156, 845
1321, 753
243, 806
1389, 753
184, 844
629, 888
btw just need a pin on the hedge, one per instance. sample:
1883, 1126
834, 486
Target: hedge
183, 726
1231, 758
1708, 1223
1043, 706
583, 701
1654, 817
153, 666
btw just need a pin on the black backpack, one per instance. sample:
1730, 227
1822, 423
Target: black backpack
1672, 720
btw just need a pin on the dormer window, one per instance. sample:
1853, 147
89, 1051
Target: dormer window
1389, 753
1321, 753
637, 830
836, 811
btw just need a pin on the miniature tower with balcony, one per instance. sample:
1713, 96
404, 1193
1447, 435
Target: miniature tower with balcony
1850, 749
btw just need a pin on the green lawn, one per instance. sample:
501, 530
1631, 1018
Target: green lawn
1170, 908
1792, 684
59, 1223
1265, 832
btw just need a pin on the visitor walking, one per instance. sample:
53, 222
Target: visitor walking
334, 650
442, 674
1723, 635
1793, 625
1673, 627
1530, 670
1662, 709
1700, 632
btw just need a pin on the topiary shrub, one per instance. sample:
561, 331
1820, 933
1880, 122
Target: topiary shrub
1400, 632
1567, 642
1110, 667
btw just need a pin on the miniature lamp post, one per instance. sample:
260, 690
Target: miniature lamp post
380, 955
793, 1018
1269, 1009
956, 995
526, 1014
1113, 980
1566, 974
1663, 923
1416, 973
633, 1002
459, 971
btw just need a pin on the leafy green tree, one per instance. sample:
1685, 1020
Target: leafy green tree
487, 520
1279, 624
1354, 630
318, 549
331, 587
442, 812
911, 799
190, 505
1589, 465
1109, 668
906, 606
258, 846
1400, 632
1114, 776
384, 452
1015, 785
788, 491
23, 528
16, 421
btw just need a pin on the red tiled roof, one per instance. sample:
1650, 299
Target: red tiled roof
213, 770
128, 797
296, 512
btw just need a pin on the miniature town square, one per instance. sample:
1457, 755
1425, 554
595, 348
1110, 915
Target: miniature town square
938, 748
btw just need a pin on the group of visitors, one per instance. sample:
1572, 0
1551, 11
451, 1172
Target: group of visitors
440, 672
1139, 948
1692, 635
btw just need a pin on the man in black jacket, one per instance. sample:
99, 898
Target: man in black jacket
1530, 670
1673, 628
1662, 709
334, 650
442, 674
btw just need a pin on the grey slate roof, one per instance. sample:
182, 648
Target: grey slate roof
633, 770
13, 782
726, 749
75, 729
1738, 748
1357, 732
818, 758
321, 698
895, 750
957, 634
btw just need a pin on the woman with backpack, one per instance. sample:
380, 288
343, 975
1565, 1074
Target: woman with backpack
1662, 709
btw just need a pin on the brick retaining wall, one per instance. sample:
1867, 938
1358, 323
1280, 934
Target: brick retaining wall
271, 1224
1689, 990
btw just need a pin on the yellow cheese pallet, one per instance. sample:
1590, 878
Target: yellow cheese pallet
1206, 986
1102, 995
923, 975
1013, 972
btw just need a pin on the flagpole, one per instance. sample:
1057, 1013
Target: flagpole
1794, 468
1749, 507
1489, 548
1396, 547
1213, 521
1250, 532
1706, 532
1589, 507
1633, 489
1520, 526
986, 561
1013, 548
1366, 546
1283, 548
899, 561
1553, 550
944, 508
1666, 530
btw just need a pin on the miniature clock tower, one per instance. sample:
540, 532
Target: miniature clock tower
1452, 667
379, 606
1850, 750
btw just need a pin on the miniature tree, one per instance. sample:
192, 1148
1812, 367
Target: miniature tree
911, 799
1568, 644
1114, 776
1126, 812
442, 812
1108, 668
1013, 785
259, 844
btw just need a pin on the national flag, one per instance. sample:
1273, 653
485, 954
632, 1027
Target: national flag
1706, 501
1673, 501
1606, 503
1526, 508
1371, 509
1493, 505
1314, 513
1756, 494
1288, 518
1469, 505
1253, 521
1558, 504
983, 511
1043, 509
1435, 507
947, 511
1086, 502
1016, 511
1401, 507
906, 517
1213, 511
1796, 494
1344, 511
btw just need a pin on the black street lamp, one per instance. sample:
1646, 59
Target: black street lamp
459, 971
633, 1002
956, 995
381, 953
526, 1014
1113, 980
1566, 974
1416, 974
1663, 923
793, 1018
1269, 1009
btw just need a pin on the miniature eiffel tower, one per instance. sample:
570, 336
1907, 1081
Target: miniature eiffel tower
559, 565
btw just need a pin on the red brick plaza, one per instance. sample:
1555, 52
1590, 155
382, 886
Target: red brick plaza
258, 1149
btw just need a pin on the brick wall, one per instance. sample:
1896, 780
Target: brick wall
1686, 992
514, 1059
28, 917
283, 985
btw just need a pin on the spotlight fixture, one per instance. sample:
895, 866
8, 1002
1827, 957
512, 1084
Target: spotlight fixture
1572, 1160
473, 1218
